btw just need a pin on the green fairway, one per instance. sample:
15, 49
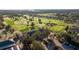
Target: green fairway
57, 28
21, 24
8, 21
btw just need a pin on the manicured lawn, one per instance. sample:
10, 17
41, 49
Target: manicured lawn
57, 28
21, 24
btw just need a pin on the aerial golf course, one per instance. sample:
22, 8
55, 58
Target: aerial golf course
22, 24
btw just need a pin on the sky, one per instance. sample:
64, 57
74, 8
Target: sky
39, 4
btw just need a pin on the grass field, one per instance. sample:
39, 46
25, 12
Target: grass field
21, 24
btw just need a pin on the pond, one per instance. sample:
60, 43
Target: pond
6, 44
66, 46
